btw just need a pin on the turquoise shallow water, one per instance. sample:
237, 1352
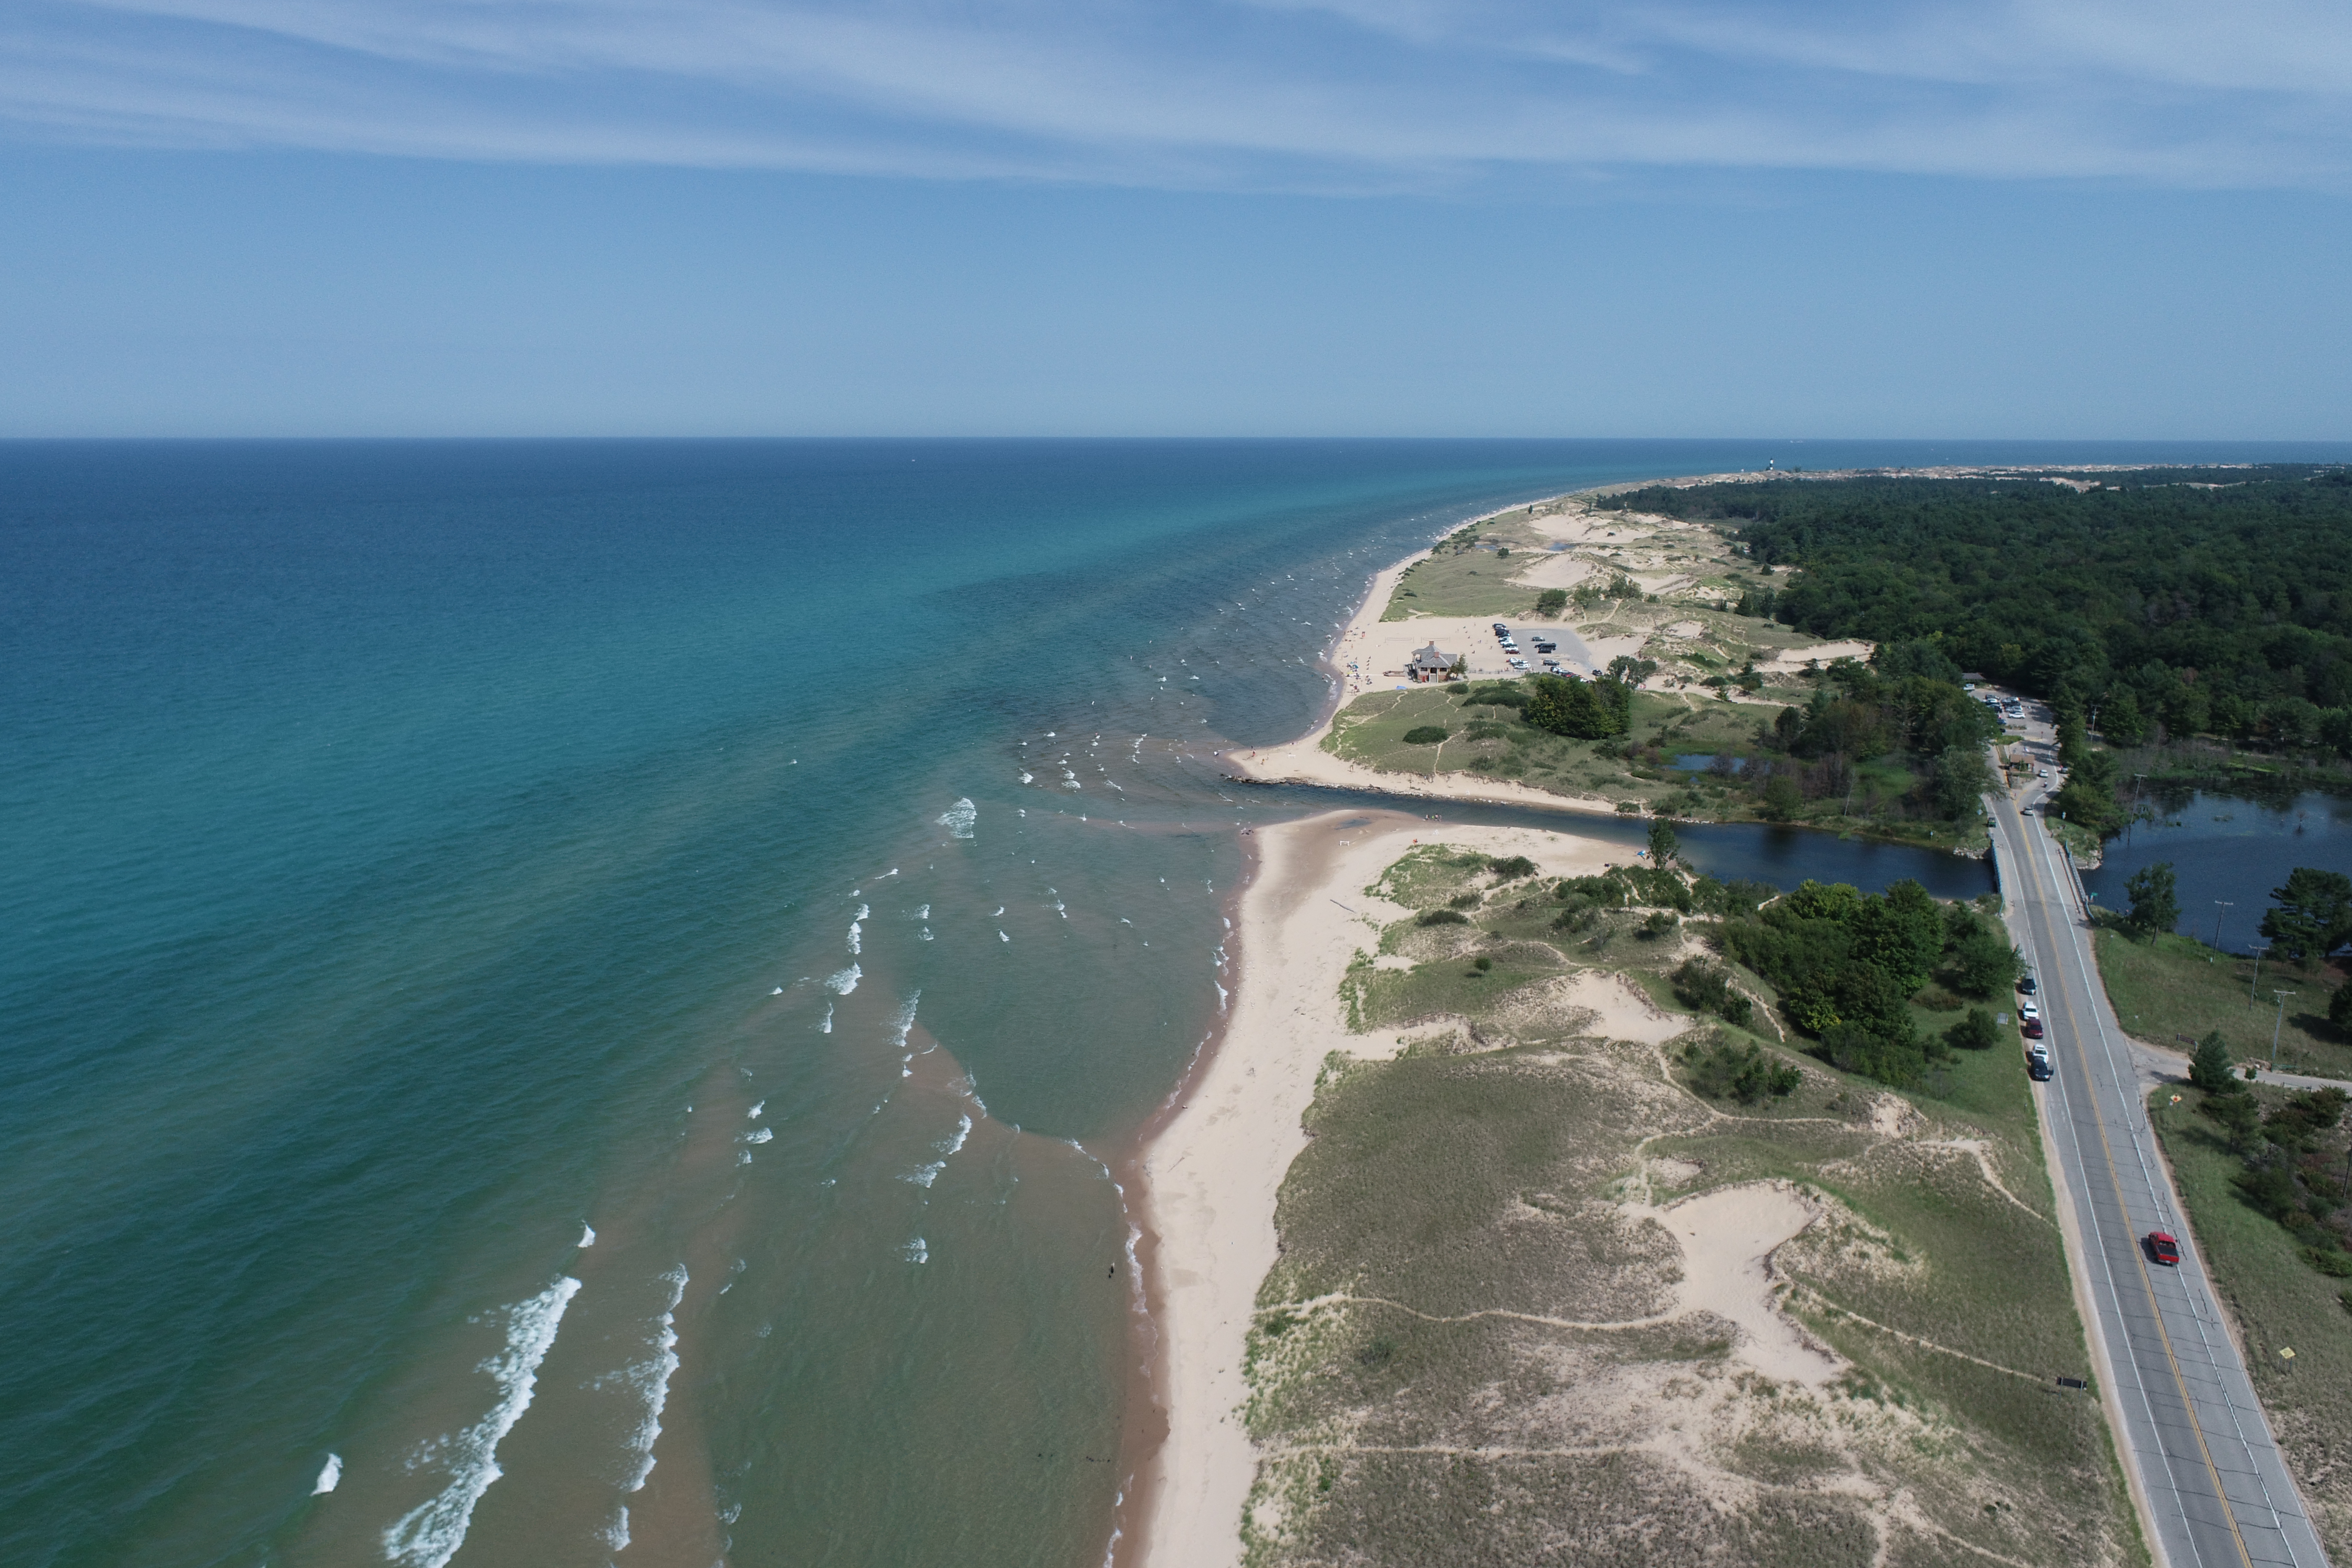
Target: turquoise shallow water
423, 857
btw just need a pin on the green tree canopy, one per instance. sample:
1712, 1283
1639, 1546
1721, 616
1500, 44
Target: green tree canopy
2155, 901
2312, 915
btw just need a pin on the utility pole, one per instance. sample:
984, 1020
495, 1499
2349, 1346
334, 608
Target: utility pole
2257, 980
2224, 906
2282, 995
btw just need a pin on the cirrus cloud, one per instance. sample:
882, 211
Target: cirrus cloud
1343, 95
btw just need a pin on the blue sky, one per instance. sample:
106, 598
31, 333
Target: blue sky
1025, 217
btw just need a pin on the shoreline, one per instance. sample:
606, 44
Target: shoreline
1157, 1520
1210, 1168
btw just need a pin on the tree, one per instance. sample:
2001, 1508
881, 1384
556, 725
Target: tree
2208, 1070
1551, 601
1663, 842
2089, 796
2155, 901
1961, 781
2120, 719
2314, 914
1986, 963
1583, 710
1782, 798
2339, 1007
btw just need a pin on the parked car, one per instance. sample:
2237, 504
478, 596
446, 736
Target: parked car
2029, 1009
2032, 1027
1543, 647
2164, 1249
2026, 985
1517, 663
2038, 1069
1500, 628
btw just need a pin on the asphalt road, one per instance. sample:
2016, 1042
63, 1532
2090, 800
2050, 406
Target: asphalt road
2207, 1468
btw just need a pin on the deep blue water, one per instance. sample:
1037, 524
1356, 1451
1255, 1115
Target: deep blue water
420, 855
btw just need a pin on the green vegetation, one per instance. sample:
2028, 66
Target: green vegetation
1722, 1070
2279, 1300
1846, 965
2180, 602
1472, 572
2174, 991
1897, 757
1471, 1349
2294, 1173
2155, 901
2311, 916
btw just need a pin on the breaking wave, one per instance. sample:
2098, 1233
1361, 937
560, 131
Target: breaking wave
428, 1535
959, 818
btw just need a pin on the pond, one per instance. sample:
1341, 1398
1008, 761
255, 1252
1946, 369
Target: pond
1700, 761
1732, 851
2227, 853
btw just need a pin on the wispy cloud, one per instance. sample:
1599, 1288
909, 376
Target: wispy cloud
1330, 94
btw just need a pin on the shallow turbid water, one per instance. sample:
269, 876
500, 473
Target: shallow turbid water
2227, 847
567, 1001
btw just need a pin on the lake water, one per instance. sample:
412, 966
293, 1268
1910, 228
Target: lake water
541, 1031
2225, 848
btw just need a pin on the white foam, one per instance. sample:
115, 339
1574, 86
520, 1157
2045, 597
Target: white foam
924, 1176
1002, 937
856, 947
923, 914
587, 1235
651, 1378
1000, 912
915, 1252
760, 1135
954, 1145
903, 1021
1028, 778
843, 982
824, 1025
778, 991
330, 1475
754, 1112
429, 1534
959, 818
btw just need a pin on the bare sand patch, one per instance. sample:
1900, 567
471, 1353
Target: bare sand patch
1560, 569
1728, 1236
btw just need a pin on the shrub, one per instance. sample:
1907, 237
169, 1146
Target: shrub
2335, 1264
2339, 1007
1551, 601
1469, 900
1728, 1072
1442, 917
1660, 922
1482, 965
1702, 985
1977, 1032
1425, 734
1511, 868
1457, 688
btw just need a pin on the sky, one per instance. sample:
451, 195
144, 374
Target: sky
2070, 219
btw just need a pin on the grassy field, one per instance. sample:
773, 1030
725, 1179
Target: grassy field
1492, 742
2174, 990
1467, 1354
2278, 1302
1472, 572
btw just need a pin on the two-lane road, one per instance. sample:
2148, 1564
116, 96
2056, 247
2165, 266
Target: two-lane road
2208, 1473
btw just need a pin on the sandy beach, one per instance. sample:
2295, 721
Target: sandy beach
1212, 1170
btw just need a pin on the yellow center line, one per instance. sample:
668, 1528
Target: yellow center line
2148, 1282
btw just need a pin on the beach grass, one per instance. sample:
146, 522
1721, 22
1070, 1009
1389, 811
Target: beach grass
1436, 1376
2279, 1302
2173, 991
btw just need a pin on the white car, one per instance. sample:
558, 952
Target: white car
1517, 663
2026, 1009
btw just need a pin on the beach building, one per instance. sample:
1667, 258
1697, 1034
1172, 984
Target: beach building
1428, 664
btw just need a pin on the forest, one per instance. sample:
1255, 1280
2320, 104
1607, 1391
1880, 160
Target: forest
2163, 602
